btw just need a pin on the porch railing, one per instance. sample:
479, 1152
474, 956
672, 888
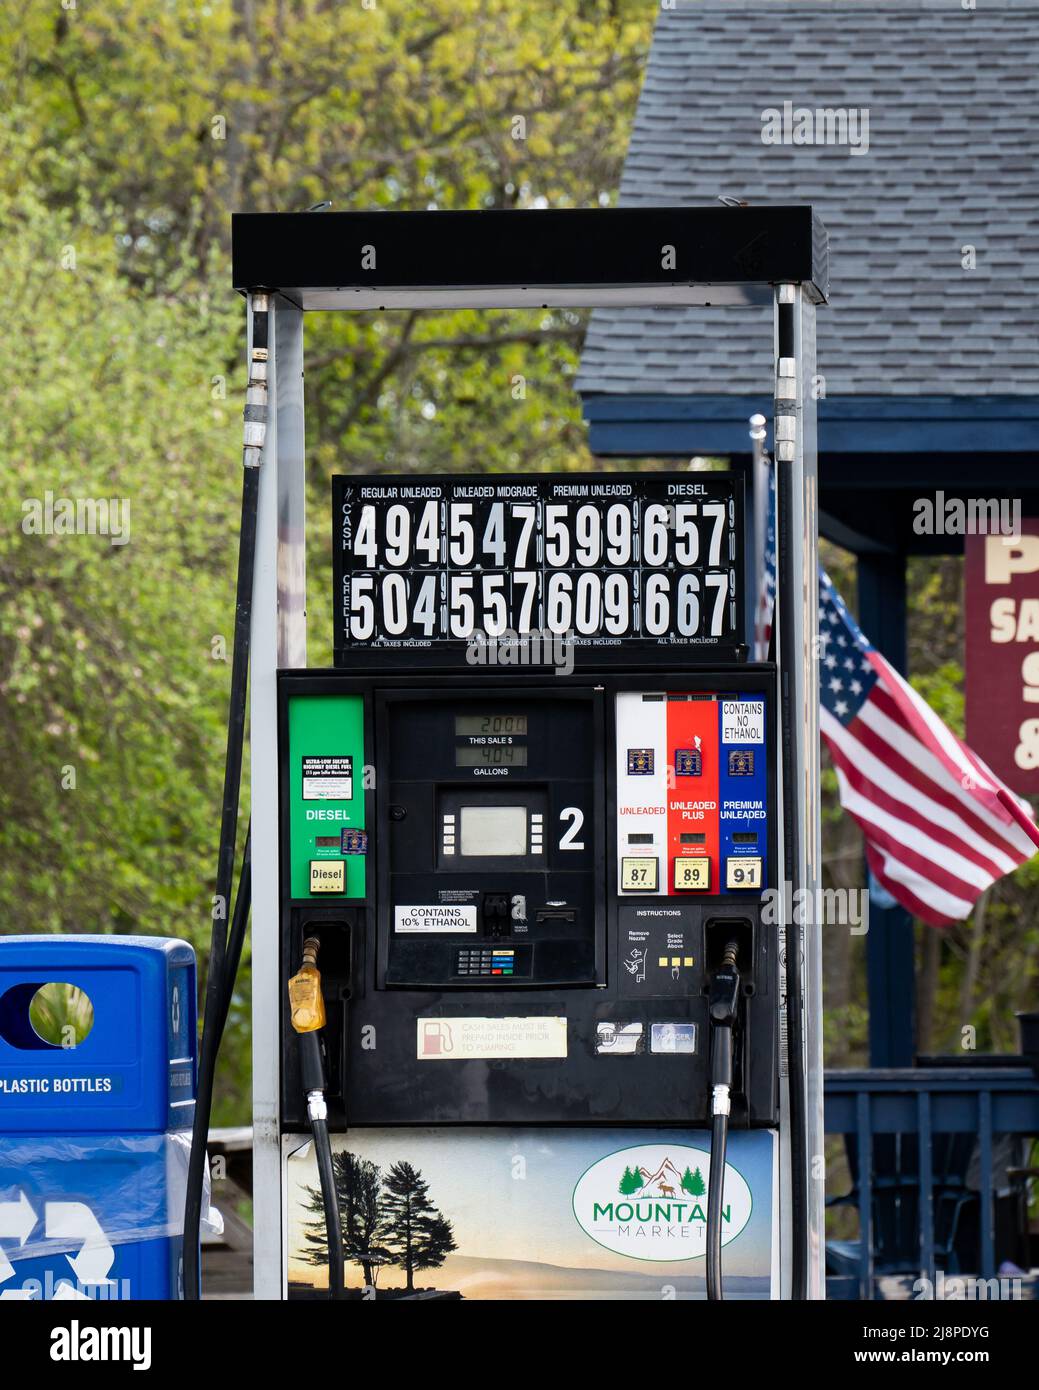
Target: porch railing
925, 1149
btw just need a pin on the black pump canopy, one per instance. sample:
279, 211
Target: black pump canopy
352, 260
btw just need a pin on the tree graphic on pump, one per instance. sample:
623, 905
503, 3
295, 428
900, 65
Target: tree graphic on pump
415, 1234
693, 1183
630, 1182
358, 1190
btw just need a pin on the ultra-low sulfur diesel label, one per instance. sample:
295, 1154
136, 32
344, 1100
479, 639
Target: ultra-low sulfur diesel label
328, 778
435, 917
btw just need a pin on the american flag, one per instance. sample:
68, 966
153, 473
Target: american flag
940, 826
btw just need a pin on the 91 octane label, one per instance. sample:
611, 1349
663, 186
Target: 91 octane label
602, 562
743, 873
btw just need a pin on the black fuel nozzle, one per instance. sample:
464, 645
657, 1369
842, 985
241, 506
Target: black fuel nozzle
723, 999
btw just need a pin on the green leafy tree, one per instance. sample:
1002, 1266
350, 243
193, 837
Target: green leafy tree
114, 638
416, 1235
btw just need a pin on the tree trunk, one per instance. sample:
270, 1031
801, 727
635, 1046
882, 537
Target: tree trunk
927, 987
973, 965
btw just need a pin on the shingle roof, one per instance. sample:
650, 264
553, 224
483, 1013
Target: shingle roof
953, 102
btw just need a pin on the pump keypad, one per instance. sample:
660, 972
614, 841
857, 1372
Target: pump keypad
491, 962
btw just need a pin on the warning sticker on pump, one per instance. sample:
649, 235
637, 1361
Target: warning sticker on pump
436, 917
328, 779
459, 1039
743, 721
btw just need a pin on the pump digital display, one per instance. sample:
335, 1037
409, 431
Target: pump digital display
477, 725
490, 755
488, 831
650, 561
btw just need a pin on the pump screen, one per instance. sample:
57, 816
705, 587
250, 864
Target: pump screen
493, 830
490, 755
490, 724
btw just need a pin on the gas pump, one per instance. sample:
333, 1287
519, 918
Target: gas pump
533, 886
530, 823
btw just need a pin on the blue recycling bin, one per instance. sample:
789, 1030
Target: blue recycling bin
97, 1098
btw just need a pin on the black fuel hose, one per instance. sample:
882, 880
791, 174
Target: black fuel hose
239, 927
723, 1003
715, 1194
333, 1224
313, 1072
218, 983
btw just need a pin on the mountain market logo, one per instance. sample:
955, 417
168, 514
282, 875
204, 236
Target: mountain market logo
650, 1202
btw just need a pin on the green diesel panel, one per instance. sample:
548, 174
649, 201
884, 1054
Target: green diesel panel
326, 796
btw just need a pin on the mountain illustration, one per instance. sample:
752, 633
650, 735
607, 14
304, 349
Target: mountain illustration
665, 1182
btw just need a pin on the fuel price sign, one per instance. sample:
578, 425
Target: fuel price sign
433, 567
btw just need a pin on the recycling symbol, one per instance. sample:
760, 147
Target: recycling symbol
73, 1222
175, 1010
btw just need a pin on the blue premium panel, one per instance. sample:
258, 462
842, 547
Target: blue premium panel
743, 793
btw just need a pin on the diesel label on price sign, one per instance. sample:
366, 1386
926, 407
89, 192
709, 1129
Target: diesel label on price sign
434, 567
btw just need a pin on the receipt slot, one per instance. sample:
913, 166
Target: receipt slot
97, 1094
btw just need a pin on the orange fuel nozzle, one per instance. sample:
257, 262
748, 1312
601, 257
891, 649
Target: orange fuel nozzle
306, 1003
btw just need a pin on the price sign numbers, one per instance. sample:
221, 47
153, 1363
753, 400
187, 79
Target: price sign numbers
647, 559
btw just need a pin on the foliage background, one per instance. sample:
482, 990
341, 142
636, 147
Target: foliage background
130, 129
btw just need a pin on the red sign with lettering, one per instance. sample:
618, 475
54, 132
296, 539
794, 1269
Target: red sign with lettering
1001, 580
